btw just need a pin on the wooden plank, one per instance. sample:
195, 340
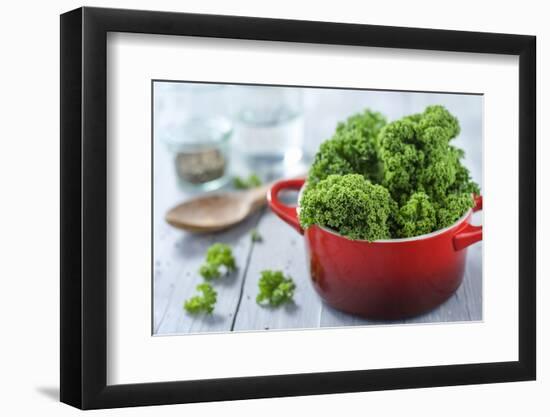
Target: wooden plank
162, 278
176, 278
177, 257
282, 248
330, 317
473, 282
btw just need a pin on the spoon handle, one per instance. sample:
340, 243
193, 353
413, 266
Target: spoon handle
257, 197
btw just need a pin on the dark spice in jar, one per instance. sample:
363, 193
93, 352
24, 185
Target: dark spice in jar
200, 166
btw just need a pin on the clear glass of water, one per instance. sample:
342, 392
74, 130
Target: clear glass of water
269, 126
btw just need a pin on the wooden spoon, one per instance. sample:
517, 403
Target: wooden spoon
211, 213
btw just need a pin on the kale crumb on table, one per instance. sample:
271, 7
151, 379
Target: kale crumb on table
275, 289
203, 303
219, 260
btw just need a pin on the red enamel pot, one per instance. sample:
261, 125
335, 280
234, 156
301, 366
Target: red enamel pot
384, 279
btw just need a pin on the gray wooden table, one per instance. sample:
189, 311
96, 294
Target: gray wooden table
178, 256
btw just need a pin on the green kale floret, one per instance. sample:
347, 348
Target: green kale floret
218, 256
252, 181
255, 236
353, 149
416, 217
417, 157
350, 205
202, 303
274, 288
453, 208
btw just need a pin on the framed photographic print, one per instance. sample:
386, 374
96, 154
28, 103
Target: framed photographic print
257, 207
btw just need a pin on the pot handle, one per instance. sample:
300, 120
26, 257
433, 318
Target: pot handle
469, 234
286, 213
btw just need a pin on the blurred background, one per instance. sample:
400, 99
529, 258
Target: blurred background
216, 131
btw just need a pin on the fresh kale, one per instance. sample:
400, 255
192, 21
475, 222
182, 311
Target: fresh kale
252, 181
202, 303
274, 288
349, 204
453, 207
255, 236
218, 257
417, 156
374, 180
353, 149
416, 217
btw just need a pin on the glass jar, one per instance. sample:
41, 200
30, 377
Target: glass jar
197, 130
269, 125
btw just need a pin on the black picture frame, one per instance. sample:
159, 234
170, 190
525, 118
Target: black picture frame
84, 207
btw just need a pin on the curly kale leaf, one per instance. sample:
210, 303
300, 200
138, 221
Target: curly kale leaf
353, 149
417, 157
252, 181
202, 303
350, 205
417, 216
453, 208
255, 236
219, 256
274, 288
400, 157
